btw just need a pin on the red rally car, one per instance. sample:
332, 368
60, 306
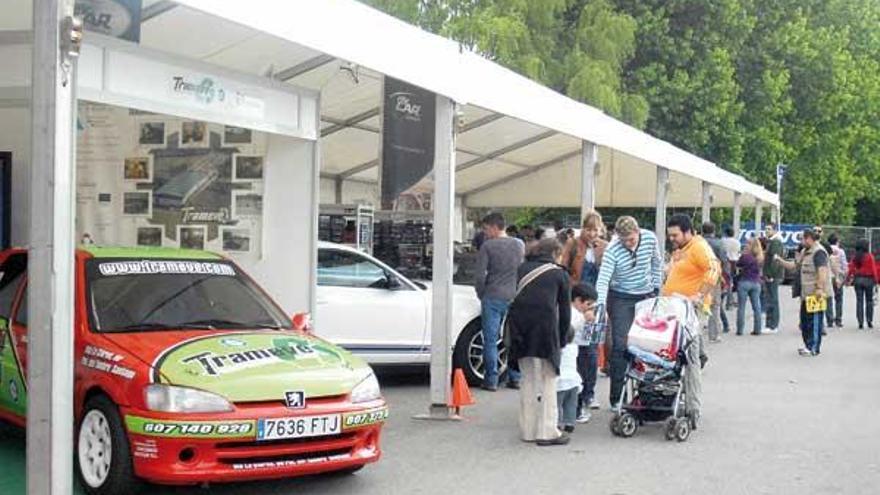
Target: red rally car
187, 372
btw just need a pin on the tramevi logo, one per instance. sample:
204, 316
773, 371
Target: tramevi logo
213, 364
404, 105
205, 90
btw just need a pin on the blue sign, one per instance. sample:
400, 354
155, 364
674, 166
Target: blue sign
792, 233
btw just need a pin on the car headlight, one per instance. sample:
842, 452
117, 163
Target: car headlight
366, 390
168, 398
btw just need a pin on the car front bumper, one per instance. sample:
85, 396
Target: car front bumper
188, 449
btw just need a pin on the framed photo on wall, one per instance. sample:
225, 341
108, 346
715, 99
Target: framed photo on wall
150, 236
246, 168
138, 203
236, 239
138, 169
193, 134
152, 134
192, 236
237, 135
247, 204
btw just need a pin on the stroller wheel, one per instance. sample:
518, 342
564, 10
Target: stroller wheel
614, 425
670, 429
682, 429
627, 425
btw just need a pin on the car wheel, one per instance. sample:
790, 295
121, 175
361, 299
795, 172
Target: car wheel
103, 457
468, 353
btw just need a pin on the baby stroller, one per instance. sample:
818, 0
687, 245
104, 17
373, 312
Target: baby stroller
662, 333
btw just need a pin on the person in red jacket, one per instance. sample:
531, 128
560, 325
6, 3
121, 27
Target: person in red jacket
863, 275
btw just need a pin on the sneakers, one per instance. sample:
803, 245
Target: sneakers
560, 440
770, 330
568, 429
489, 387
804, 352
584, 417
513, 385
613, 408
594, 404
716, 340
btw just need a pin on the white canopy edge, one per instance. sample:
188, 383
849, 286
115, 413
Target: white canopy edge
404, 51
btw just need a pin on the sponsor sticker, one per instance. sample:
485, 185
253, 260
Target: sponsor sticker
246, 466
152, 267
364, 418
190, 429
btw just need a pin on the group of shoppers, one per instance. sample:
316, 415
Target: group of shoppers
552, 302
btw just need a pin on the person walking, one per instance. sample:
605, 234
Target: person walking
582, 257
496, 276
694, 274
813, 268
839, 269
717, 316
863, 275
538, 323
732, 248
631, 271
749, 286
774, 274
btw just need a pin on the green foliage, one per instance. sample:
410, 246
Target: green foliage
744, 83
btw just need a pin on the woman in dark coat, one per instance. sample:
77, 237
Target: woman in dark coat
538, 321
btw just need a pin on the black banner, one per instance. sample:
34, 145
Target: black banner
407, 146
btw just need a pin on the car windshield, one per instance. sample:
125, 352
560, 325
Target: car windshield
152, 294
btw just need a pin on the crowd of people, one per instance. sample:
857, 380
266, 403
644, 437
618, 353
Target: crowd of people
554, 296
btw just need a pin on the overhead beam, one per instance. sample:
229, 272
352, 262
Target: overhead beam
156, 10
523, 173
503, 151
303, 67
350, 122
335, 177
480, 122
363, 167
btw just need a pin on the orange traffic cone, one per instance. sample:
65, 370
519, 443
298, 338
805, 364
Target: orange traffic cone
461, 393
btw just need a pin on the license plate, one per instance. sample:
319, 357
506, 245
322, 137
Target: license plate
298, 427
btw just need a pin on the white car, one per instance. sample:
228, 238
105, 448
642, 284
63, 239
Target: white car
370, 309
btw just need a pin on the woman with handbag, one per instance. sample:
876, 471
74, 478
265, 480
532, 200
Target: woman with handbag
537, 324
862, 275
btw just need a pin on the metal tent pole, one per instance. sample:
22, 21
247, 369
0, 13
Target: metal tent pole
444, 211
51, 256
660, 216
707, 203
737, 214
589, 169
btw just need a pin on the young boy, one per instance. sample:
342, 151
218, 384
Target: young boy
587, 338
568, 384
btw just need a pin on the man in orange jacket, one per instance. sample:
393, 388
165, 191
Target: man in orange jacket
694, 272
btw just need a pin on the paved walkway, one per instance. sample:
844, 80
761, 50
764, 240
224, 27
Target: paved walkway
774, 423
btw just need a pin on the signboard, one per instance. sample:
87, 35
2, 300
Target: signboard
792, 233
116, 18
407, 146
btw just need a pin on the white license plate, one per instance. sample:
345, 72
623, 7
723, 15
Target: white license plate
298, 427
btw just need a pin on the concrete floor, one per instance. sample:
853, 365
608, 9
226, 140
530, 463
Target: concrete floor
773, 423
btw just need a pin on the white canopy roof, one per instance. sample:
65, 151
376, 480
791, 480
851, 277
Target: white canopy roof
519, 144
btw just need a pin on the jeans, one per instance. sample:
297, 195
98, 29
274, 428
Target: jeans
493, 312
752, 291
588, 367
567, 401
718, 317
621, 313
772, 304
834, 314
864, 300
811, 328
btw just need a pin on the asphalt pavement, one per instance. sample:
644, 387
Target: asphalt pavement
773, 423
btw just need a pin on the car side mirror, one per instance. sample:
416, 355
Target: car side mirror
392, 282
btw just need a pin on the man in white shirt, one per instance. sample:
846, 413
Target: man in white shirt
733, 249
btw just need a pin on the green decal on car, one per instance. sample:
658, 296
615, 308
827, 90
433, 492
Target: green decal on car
364, 418
13, 393
259, 366
191, 429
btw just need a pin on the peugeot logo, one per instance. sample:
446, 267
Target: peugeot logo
295, 399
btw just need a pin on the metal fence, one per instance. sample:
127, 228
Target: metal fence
850, 235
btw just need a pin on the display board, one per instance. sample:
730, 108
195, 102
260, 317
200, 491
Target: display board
146, 179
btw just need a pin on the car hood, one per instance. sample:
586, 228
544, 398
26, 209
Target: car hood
463, 291
247, 366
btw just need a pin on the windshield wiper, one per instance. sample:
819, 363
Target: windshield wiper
214, 323
141, 326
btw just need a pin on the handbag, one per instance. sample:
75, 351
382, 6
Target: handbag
528, 279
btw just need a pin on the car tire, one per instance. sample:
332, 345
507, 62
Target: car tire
465, 346
101, 435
